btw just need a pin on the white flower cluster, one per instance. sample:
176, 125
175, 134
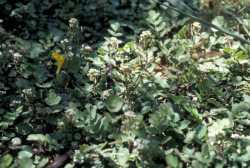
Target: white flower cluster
17, 57
113, 43
64, 41
7, 50
146, 39
27, 92
73, 23
15, 103
93, 74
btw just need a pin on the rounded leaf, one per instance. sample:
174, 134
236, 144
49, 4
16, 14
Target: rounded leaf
114, 103
6, 160
52, 99
37, 137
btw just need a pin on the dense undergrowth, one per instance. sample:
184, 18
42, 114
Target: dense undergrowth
123, 84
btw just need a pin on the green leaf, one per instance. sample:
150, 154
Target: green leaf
201, 132
220, 22
3, 1
194, 112
43, 162
172, 161
44, 85
246, 156
36, 50
37, 137
6, 161
162, 82
189, 137
114, 103
52, 99
219, 127
69, 165
26, 163
73, 64
123, 157
115, 26
24, 128
240, 55
25, 154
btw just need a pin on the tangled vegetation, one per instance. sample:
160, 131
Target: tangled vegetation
124, 83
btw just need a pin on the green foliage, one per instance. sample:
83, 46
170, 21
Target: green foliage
140, 86
114, 103
6, 160
52, 98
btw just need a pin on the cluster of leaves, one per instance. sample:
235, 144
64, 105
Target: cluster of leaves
162, 95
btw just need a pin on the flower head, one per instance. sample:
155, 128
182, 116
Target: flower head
59, 58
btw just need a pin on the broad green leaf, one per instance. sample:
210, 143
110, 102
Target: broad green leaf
25, 154
240, 55
201, 132
73, 64
218, 128
43, 162
24, 128
6, 161
37, 137
194, 112
44, 85
220, 22
123, 157
52, 98
114, 103
115, 26
246, 156
172, 161
189, 137
26, 163
34, 48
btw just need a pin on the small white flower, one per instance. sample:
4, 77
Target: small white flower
138, 144
113, 42
27, 91
3, 46
146, 34
235, 136
17, 56
70, 54
11, 51
3, 92
66, 40
146, 39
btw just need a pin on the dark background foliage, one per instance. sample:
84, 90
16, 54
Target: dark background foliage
141, 85
34, 19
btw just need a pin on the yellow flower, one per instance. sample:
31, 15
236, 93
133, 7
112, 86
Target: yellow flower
59, 58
